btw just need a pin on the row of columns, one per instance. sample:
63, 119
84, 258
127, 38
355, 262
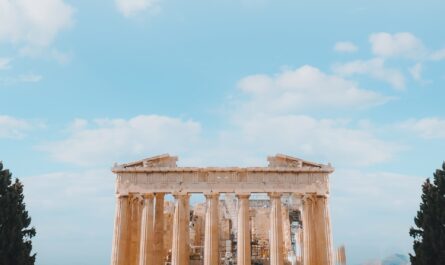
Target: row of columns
144, 246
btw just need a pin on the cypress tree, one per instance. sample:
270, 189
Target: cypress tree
15, 233
429, 230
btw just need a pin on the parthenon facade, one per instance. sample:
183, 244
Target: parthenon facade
272, 215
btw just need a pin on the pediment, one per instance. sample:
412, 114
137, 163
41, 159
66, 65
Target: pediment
164, 160
281, 160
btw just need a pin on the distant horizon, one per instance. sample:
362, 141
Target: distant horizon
86, 84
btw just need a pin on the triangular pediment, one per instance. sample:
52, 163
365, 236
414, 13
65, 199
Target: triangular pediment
164, 160
281, 160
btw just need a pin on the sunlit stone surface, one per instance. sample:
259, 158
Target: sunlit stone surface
256, 215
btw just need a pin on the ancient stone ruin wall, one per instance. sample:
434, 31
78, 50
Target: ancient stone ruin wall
273, 215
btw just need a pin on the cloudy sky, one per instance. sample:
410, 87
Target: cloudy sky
84, 84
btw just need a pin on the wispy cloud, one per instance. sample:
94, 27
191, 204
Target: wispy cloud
5, 63
375, 68
33, 23
22, 78
428, 128
16, 128
304, 88
345, 47
403, 44
131, 8
115, 139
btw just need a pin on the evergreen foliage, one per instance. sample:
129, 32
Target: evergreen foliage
15, 234
429, 231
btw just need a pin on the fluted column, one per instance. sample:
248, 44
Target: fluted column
317, 231
158, 246
180, 242
324, 244
243, 247
287, 238
134, 229
120, 239
211, 236
276, 230
147, 236
309, 232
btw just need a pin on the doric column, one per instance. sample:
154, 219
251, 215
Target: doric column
180, 242
309, 231
134, 229
325, 249
317, 231
158, 246
243, 245
276, 230
287, 237
147, 236
120, 240
211, 236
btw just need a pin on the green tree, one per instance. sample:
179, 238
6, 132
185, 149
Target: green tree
429, 230
15, 231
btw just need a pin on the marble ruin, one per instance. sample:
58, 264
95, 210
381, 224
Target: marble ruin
272, 215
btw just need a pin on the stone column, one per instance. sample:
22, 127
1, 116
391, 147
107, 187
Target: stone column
308, 231
325, 249
211, 236
134, 228
158, 246
341, 256
317, 231
147, 236
276, 230
180, 242
287, 237
120, 240
243, 247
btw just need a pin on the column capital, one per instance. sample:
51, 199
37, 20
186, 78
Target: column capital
149, 195
243, 195
180, 193
298, 195
210, 194
135, 196
274, 195
122, 196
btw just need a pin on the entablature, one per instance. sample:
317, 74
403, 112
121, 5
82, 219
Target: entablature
284, 174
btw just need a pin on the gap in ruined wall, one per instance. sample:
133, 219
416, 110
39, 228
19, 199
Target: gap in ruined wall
259, 222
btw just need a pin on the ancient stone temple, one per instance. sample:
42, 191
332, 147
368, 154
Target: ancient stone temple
272, 215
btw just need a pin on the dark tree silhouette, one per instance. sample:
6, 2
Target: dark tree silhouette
15, 231
429, 230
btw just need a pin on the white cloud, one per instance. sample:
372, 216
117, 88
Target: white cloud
304, 88
438, 55
23, 78
428, 128
324, 139
30, 78
416, 71
375, 68
33, 23
403, 44
80, 204
345, 46
383, 202
14, 128
5, 63
109, 140
132, 7
57, 190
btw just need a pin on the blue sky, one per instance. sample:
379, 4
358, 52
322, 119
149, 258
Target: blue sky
85, 84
